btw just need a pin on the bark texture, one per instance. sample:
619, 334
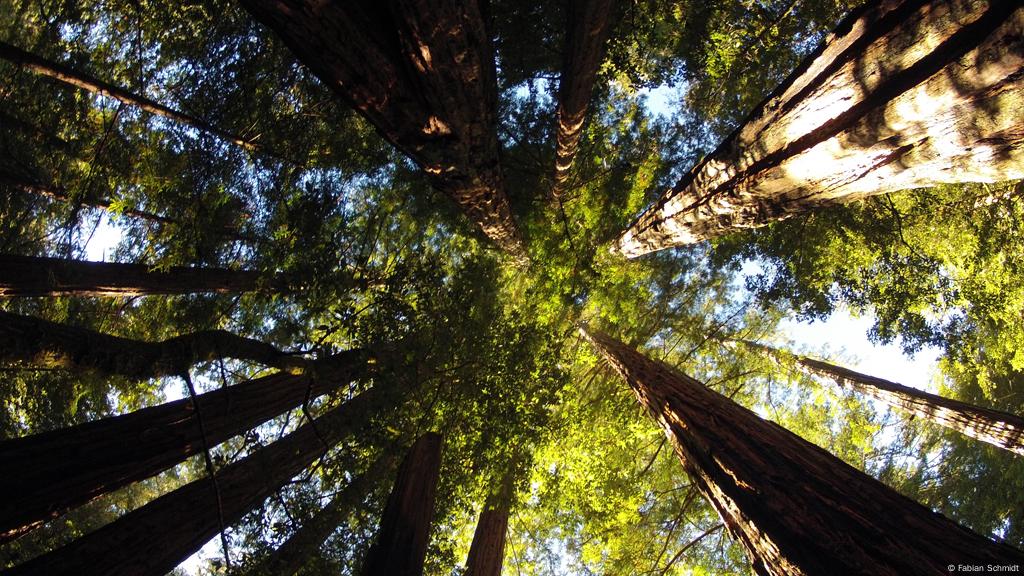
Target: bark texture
904, 94
487, 552
153, 539
54, 472
42, 276
305, 543
795, 508
43, 343
422, 72
998, 428
401, 542
72, 77
590, 23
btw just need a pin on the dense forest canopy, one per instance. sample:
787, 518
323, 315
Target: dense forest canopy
383, 245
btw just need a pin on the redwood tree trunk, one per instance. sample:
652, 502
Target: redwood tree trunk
305, 543
51, 473
42, 276
487, 552
401, 542
998, 428
795, 508
590, 23
43, 343
72, 77
153, 539
422, 72
904, 94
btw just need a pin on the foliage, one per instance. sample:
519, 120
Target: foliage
485, 349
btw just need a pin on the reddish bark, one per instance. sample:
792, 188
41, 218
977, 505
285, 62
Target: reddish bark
400, 546
54, 472
487, 552
590, 23
420, 71
795, 508
998, 428
153, 539
904, 94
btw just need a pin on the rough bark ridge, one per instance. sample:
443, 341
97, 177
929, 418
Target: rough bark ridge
904, 94
422, 72
998, 428
487, 552
43, 343
401, 542
42, 276
63, 469
589, 26
72, 77
796, 509
152, 540
305, 543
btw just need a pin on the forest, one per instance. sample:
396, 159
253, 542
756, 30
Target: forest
483, 287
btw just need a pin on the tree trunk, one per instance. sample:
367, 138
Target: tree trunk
43, 276
487, 552
795, 508
422, 72
31, 186
904, 94
72, 77
153, 539
43, 343
305, 543
590, 23
400, 546
998, 428
56, 471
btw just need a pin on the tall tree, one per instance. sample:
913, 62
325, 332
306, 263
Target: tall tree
904, 94
44, 276
72, 77
590, 23
305, 543
487, 552
153, 539
998, 428
795, 508
423, 73
63, 469
48, 344
401, 542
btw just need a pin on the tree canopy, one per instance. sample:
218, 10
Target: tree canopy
265, 215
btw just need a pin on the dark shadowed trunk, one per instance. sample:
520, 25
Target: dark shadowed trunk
590, 23
487, 552
54, 472
47, 344
422, 72
153, 539
32, 186
42, 276
400, 545
305, 543
72, 77
904, 94
998, 428
795, 508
